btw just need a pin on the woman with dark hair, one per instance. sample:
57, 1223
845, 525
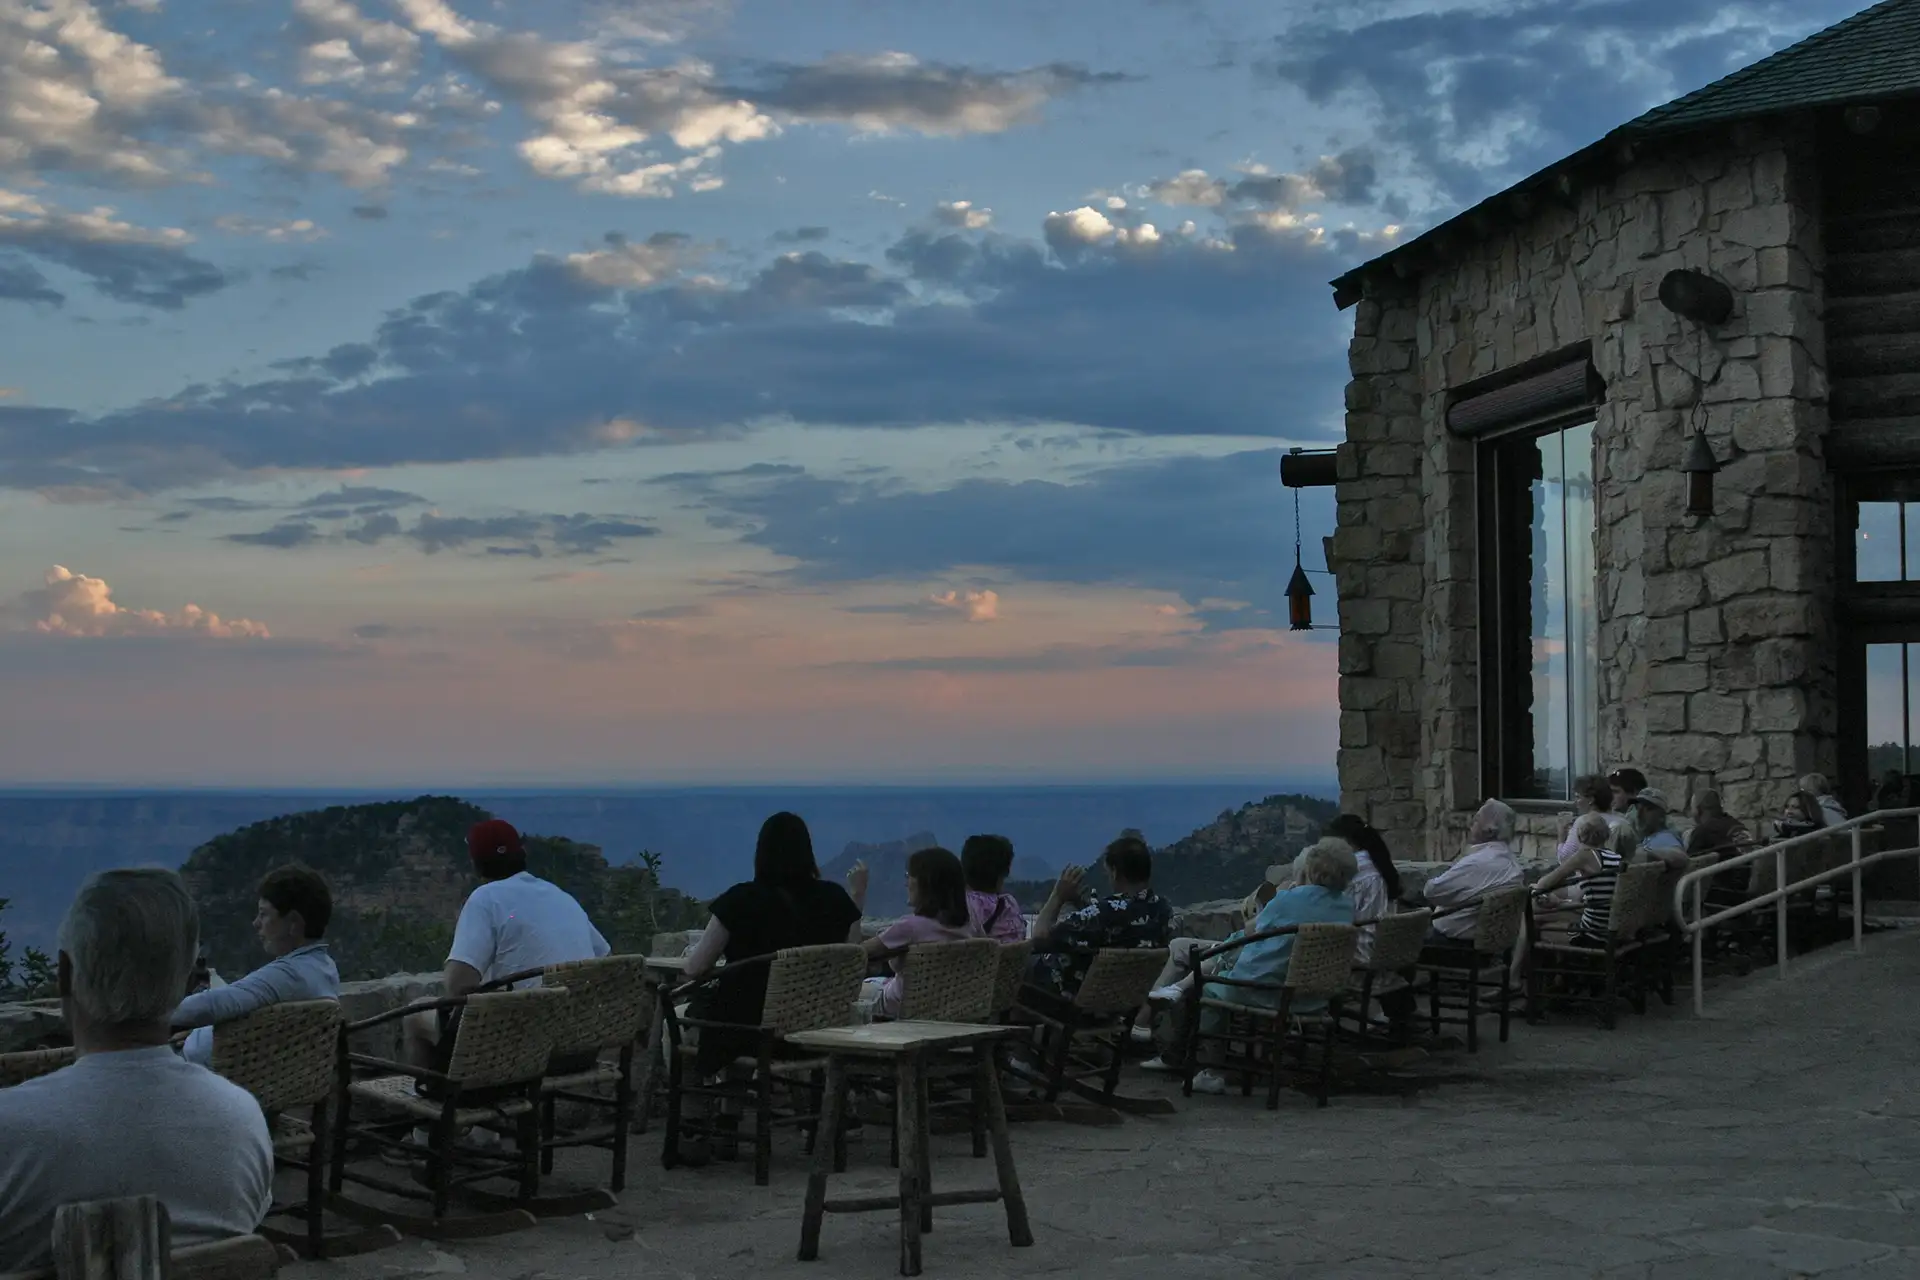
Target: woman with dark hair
987, 861
937, 895
1376, 884
786, 904
1799, 815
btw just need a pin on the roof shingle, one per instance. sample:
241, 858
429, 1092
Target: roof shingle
1873, 54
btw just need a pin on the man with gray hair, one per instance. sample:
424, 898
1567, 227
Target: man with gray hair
129, 1117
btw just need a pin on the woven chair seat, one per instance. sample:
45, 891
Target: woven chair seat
291, 1135
29, 1064
396, 1094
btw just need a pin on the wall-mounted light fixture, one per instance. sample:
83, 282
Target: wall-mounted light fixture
1700, 466
1696, 296
1300, 469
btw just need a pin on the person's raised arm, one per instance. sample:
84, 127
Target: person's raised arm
1065, 889
706, 953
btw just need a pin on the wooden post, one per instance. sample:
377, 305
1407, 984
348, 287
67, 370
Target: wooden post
112, 1240
906, 1116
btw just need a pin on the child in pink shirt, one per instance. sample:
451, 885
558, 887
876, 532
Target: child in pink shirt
995, 913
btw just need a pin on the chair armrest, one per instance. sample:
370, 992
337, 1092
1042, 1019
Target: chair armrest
1234, 944
502, 984
392, 1015
670, 994
387, 1066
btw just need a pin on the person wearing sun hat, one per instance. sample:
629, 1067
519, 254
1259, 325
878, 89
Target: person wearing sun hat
1648, 832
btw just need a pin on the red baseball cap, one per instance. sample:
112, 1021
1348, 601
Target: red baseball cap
492, 836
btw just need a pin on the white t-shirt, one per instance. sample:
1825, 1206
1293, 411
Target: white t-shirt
522, 922
132, 1123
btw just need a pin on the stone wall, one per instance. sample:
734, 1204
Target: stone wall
1716, 636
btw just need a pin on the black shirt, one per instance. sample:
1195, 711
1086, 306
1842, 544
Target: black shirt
762, 918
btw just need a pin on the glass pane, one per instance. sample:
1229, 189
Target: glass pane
1888, 694
1583, 606
1548, 599
1877, 544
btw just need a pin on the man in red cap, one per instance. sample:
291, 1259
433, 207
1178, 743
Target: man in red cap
514, 921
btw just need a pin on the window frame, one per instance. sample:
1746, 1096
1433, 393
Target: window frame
1505, 617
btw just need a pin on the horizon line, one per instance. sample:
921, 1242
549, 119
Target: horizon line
412, 790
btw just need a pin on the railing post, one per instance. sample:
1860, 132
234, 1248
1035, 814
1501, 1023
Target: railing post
1699, 993
1859, 902
1780, 908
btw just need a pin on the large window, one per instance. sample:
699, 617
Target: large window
1539, 615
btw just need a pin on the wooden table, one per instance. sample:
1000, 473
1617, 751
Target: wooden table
670, 970
907, 1046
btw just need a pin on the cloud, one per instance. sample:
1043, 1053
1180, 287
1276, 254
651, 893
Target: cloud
131, 264
893, 92
21, 281
295, 231
1474, 96
71, 604
325, 522
1166, 334
975, 606
77, 96
624, 264
593, 116
1348, 178
1215, 531
341, 45
962, 214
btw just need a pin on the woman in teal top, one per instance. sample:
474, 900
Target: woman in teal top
1319, 896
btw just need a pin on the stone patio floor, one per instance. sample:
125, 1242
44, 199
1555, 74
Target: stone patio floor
1777, 1137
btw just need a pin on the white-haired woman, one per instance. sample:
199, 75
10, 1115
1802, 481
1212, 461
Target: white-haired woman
1831, 812
1488, 864
1318, 896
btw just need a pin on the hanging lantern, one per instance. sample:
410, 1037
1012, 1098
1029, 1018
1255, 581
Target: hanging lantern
1700, 466
1299, 599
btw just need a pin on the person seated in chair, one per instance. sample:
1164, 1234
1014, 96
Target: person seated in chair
291, 923
1714, 830
786, 904
937, 912
514, 921
1131, 915
987, 862
1322, 876
1487, 865
129, 1117
1597, 868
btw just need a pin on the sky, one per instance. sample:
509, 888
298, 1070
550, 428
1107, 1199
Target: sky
666, 391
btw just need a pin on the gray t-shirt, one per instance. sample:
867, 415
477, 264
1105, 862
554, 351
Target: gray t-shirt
133, 1123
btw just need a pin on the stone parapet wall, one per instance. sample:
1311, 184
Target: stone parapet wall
1716, 636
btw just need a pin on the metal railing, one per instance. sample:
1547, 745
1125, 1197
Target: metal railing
1696, 881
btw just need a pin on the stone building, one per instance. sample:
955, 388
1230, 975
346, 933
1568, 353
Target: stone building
1524, 595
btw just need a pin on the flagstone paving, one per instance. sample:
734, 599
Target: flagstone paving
1777, 1137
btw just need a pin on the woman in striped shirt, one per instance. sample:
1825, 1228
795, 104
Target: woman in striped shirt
1598, 869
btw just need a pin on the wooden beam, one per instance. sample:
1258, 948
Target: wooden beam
1874, 444
1866, 355
1883, 314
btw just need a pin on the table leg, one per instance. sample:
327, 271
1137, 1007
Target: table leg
923, 1120
913, 1140
1018, 1231
823, 1161
650, 1058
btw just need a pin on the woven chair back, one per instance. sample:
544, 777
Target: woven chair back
29, 1064
1119, 979
1502, 915
283, 1054
949, 981
1636, 899
1321, 960
1014, 958
506, 1037
1399, 939
609, 1004
813, 988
